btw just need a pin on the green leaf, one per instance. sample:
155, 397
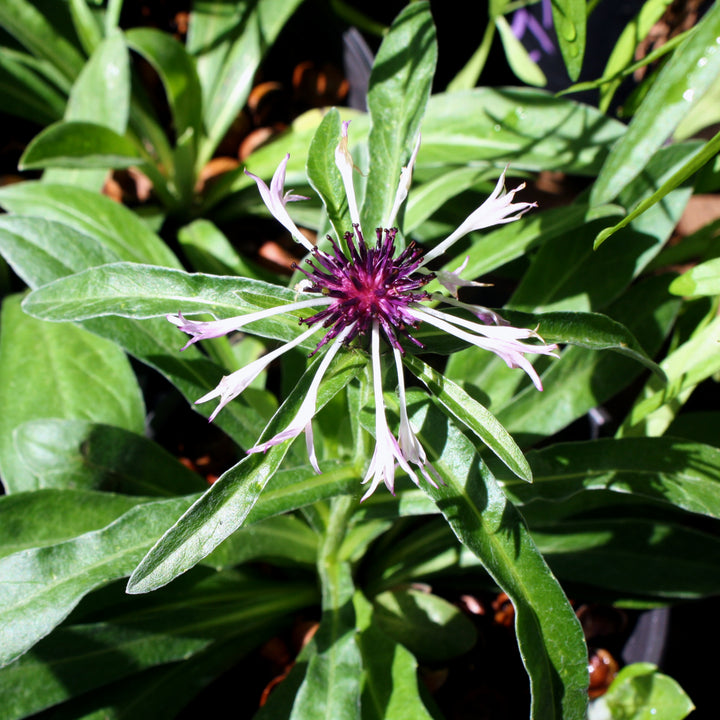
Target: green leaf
639, 691
632, 556
27, 93
176, 69
593, 331
683, 79
40, 586
400, 84
700, 158
225, 507
549, 636
229, 41
101, 93
569, 19
36, 32
76, 144
431, 628
472, 414
703, 279
517, 56
175, 627
390, 688
111, 223
331, 687
85, 455
528, 128
583, 379
664, 469
48, 370
47, 517
144, 291
324, 175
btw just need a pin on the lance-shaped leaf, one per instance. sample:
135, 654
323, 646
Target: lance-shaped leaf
391, 683
40, 586
226, 505
399, 90
175, 626
569, 19
111, 224
683, 79
681, 473
549, 636
143, 291
49, 370
472, 414
77, 144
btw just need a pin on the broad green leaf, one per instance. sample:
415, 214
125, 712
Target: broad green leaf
49, 370
77, 144
84, 455
176, 626
683, 79
569, 19
390, 686
324, 175
633, 556
400, 84
225, 507
517, 56
583, 379
29, 26
528, 128
430, 627
90, 213
47, 517
549, 636
40, 251
473, 415
703, 279
640, 692
664, 469
101, 93
40, 586
239, 48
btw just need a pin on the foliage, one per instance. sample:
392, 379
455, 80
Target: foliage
529, 503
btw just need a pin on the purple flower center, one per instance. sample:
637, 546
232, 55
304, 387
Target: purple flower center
367, 284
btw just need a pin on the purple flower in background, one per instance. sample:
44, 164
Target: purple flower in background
523, 20
374, 290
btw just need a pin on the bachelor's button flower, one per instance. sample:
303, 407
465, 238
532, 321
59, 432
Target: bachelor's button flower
374, 290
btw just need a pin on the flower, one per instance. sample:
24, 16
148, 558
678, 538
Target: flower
374, 290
